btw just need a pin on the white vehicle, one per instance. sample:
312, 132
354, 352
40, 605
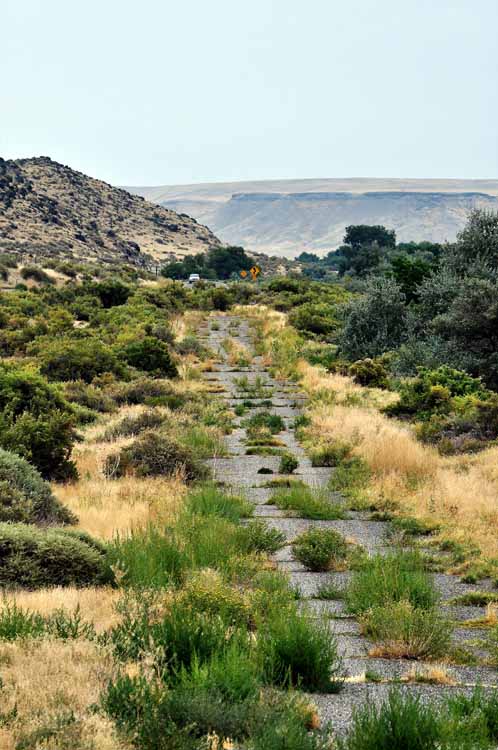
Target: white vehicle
193, 278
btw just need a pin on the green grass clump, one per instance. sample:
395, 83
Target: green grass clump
328, 592
401, 723
299, 651
382, 579
149, 558
401, 630
411, 526
350, 476
279, 482
263, 450
407, 722
257, 536
476, 598
202, 442
258, 388
264, 420
307, 502
320, 549
209, 500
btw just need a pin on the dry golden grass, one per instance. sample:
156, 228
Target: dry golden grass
186, 324
436, 675
236, 352
97, 605
48, 680
108, 506
460, 494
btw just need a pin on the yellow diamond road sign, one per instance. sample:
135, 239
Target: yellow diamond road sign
255, 271
243, 274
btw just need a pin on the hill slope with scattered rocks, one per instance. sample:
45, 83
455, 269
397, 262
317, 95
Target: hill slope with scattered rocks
50, 210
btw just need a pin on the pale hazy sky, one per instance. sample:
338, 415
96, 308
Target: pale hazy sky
149, 92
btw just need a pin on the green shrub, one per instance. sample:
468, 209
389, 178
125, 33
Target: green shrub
146, 390
150, 355
330, 454
431, 392
77, 359
299, 651
369, 372
318, 318
155, 454
89, 396
386, 579
36, 422
192, 345
287, 732
324, 355
135, 424
36, 558
320, 549
112, 292
16, 622
207, 591
288, 464
216, 697
180, 638
37, 274
401, 630
307, 502
8, 260
26, 497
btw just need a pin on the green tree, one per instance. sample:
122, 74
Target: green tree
365, 234
376, 322
227, 260
150, 355
477, 243
409, 273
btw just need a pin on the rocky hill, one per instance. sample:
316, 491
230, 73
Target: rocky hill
47, 209
285, 217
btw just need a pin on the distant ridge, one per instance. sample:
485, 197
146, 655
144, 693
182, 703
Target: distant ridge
285, 217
